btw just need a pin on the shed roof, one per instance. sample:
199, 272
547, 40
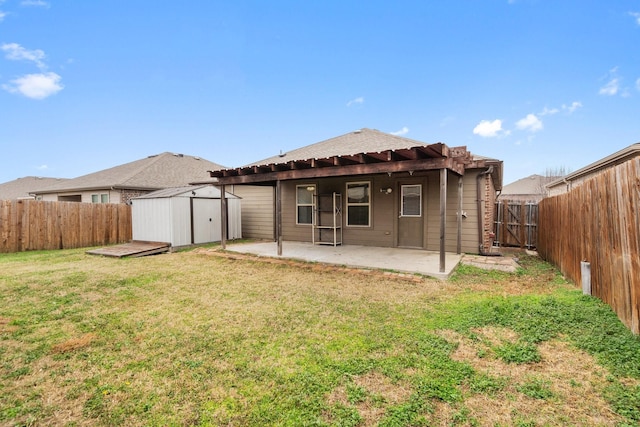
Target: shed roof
190, 190
153, 172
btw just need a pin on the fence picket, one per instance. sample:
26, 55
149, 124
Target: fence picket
598, 222
38, 225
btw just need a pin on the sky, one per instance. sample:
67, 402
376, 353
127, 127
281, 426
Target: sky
543, 85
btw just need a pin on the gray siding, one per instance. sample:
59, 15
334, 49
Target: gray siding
257, 210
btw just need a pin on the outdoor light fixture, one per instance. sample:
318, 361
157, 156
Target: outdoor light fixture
387, 190
311, 188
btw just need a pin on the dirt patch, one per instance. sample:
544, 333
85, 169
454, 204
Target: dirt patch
74, 343
377, 391
5, 327
571, 380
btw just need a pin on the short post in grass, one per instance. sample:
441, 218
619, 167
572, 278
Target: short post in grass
585, 274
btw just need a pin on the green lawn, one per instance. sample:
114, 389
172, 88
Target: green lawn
190, 338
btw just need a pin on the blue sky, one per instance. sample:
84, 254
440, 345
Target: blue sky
539, 84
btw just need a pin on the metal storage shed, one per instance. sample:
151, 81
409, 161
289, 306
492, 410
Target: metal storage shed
184, 216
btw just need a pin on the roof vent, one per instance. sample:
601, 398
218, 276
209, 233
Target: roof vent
357, 131
282, 154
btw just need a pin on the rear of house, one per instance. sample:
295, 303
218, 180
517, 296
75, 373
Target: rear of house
397, 192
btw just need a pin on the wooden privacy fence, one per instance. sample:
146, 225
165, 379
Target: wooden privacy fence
36, 225
599, 222
516, 224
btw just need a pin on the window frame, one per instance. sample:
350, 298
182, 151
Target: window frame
368, 204
100, 198
311, 204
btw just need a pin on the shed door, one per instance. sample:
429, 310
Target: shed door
410, 220
206, 220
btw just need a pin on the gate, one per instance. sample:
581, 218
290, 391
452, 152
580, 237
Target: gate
516, 224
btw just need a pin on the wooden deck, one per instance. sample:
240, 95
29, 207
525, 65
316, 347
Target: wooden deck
135, 248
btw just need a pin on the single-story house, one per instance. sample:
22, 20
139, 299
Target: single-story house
122, 183
19, 189
575, 179
185, 216
372, 188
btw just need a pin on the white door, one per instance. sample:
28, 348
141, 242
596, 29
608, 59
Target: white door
206, 220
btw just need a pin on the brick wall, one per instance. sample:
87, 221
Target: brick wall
488, 219
127, 195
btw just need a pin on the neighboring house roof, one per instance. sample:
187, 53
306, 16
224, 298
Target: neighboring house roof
361, 151
606, 162
151, 173
22, 187
532, 187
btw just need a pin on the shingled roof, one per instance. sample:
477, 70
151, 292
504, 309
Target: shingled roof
151, 173
359, 141
22, 187
365, 151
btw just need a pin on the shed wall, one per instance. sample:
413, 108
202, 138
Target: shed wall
151, 220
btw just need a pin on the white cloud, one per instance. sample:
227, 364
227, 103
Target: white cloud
42, 167
489, 129
403, 131
573, 107
531, 123
356, 101
35, 86
38, 3
549, 111
2, 15
638, 84
612, 87
15, 52
636, 15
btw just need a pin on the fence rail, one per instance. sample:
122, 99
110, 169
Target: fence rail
36, 225
598, 222
516, 224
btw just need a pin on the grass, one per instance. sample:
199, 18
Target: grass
193, 339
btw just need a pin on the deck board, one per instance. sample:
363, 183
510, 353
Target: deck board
134, 248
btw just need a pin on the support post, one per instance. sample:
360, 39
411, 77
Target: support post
460, 199
443, 216
279, 216
223, 217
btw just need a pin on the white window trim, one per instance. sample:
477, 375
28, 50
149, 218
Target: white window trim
347, 204
402, 214
306, 187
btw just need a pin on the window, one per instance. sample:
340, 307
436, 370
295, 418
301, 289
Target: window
304, 203
411, 200
99, 198
358, 204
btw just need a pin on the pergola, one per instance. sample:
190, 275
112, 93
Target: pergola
414, 159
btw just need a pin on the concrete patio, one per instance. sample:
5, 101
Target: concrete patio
395, 259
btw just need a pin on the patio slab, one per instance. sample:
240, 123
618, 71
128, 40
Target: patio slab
395, 259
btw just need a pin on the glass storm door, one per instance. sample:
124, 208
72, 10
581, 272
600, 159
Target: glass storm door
410, 221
